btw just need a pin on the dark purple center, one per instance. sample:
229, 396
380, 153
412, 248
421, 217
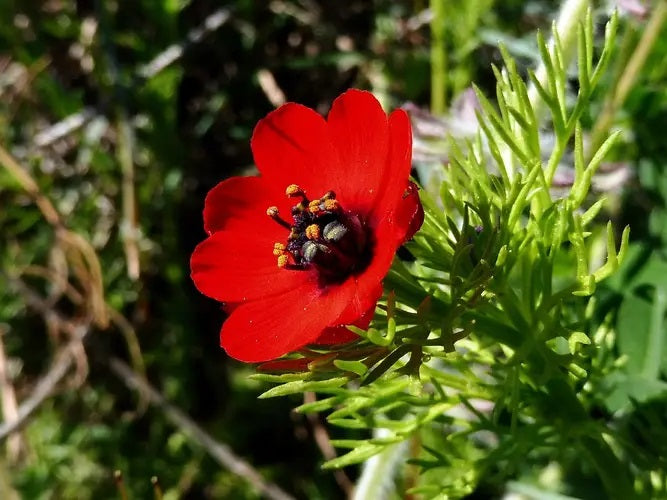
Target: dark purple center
322, 236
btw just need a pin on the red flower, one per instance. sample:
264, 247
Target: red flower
300, 251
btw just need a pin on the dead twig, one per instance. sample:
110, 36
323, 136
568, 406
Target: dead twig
117, 319
133, 349
30, 186
219, 451
270, 87
15, 444
45, 387
64, 360
129, 226
80, 253
324, 444
64, 127
174, 52
163, 60
58, 323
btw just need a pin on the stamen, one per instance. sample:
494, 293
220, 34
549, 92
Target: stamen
283, 260
294, 190
278, 249
309, 251
314, 206
321, 236
331, 205
334, 231
275, 215
299, 207
313, 232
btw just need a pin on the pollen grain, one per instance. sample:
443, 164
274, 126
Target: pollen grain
278, 249
313, 232
293, 190
331, 205
283, 260
314, 206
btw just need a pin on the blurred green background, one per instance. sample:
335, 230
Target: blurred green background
121, 115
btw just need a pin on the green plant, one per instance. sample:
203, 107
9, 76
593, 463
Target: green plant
484, 354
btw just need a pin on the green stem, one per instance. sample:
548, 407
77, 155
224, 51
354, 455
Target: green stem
377, 477
630, 74
438, 58
612, 472
575, 419
653, 355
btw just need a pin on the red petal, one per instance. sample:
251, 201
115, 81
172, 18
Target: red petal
238, 203
367, 288
292, 146
267, 329
286, 365
358, 130
361, 154
396, 171
396, 217
341, 335
409, 215
236, 267
335, 335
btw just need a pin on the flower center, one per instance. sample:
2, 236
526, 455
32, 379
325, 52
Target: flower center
322, 236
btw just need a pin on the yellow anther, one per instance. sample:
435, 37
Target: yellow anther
294, 190
272, 211
283, 260
313, 232
293, 235
331, 205
314, 206
278, 249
